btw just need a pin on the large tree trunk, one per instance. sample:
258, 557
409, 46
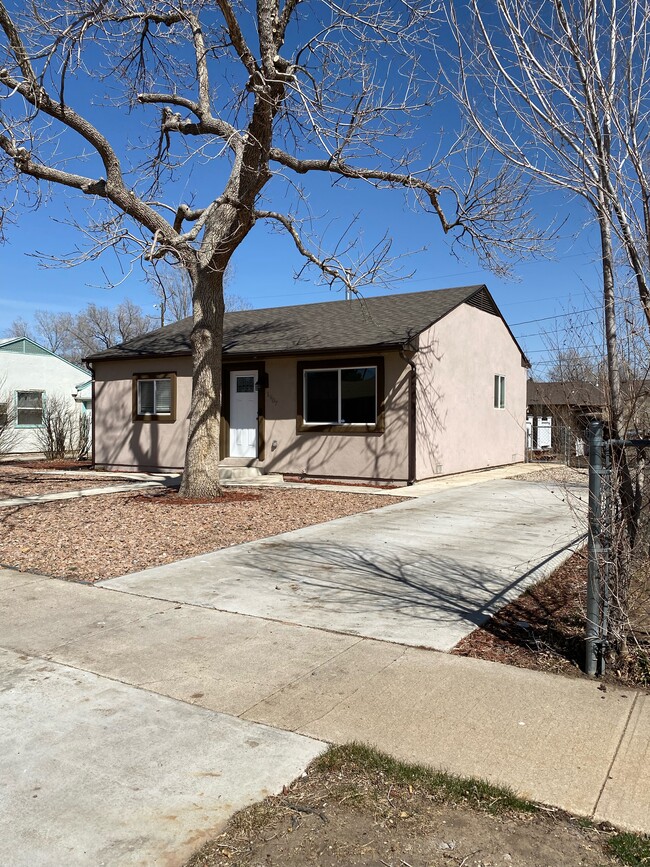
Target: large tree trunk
201, 472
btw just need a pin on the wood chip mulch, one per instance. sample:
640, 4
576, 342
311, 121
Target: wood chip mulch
109, 535
544, 629
18, 481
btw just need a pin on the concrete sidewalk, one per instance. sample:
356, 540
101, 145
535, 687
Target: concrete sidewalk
557, 740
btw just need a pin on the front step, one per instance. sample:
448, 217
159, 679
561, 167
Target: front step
238, 473
248, 476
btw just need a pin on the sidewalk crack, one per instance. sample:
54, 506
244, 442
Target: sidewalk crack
303, 676
615, 756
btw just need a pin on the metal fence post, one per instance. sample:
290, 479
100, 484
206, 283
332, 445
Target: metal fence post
592, 642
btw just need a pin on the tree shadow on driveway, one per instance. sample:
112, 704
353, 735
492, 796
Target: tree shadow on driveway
397, 594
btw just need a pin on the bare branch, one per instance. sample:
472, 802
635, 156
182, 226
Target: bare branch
376, 267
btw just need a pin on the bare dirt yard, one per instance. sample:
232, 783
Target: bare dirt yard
355, 806
104, 536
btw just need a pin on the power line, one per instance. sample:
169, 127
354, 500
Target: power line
556, 316
556, 331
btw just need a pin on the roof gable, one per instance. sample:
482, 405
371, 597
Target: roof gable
23, 346
27, 346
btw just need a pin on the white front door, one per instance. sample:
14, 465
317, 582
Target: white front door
243, 414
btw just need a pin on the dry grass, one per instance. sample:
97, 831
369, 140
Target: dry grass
357, 806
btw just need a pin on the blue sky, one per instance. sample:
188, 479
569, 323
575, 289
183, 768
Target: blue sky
264, 265
264, 268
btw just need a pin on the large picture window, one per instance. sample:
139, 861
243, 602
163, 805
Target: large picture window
154, 397
341, 398
29, 408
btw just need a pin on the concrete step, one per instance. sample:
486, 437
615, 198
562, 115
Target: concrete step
248, 475
227, 473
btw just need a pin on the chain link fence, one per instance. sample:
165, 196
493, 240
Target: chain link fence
618, 603
549, 441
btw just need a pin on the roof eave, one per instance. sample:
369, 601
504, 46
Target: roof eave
284, 353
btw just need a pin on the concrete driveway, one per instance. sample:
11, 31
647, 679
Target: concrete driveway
423, 573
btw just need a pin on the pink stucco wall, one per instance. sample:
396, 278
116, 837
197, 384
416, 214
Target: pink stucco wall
457, 426
122, 443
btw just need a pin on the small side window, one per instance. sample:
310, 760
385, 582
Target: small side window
499, 392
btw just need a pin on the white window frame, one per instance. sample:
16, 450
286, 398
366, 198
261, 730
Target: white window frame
499, 391
358, 424
41, 394
155, 410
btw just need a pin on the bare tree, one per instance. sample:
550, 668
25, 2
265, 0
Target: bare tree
173, 288
275, 91
560, 90
55, 434
20, 327
8, 431
73, 336
571, 365
56, 333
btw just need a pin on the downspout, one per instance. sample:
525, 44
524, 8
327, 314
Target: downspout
413, 378
92, 416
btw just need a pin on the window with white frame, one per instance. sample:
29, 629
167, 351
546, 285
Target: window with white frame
154, 397
340, 396
29, 408
499, 392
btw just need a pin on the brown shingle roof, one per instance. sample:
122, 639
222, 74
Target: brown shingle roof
389, 320
582, 394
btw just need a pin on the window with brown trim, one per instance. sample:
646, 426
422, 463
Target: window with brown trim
154, 397
341, 396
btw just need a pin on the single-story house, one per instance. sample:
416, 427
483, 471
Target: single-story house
399, 387
558, 416
30, 375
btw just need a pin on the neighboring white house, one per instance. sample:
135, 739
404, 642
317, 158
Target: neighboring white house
29, 375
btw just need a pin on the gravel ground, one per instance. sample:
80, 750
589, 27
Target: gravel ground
105, 536
557, 475
19, 482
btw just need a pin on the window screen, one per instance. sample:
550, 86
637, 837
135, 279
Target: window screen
154, 397
29, 408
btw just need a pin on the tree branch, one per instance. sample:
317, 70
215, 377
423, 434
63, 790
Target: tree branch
391, 179
237, 37
26, 166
